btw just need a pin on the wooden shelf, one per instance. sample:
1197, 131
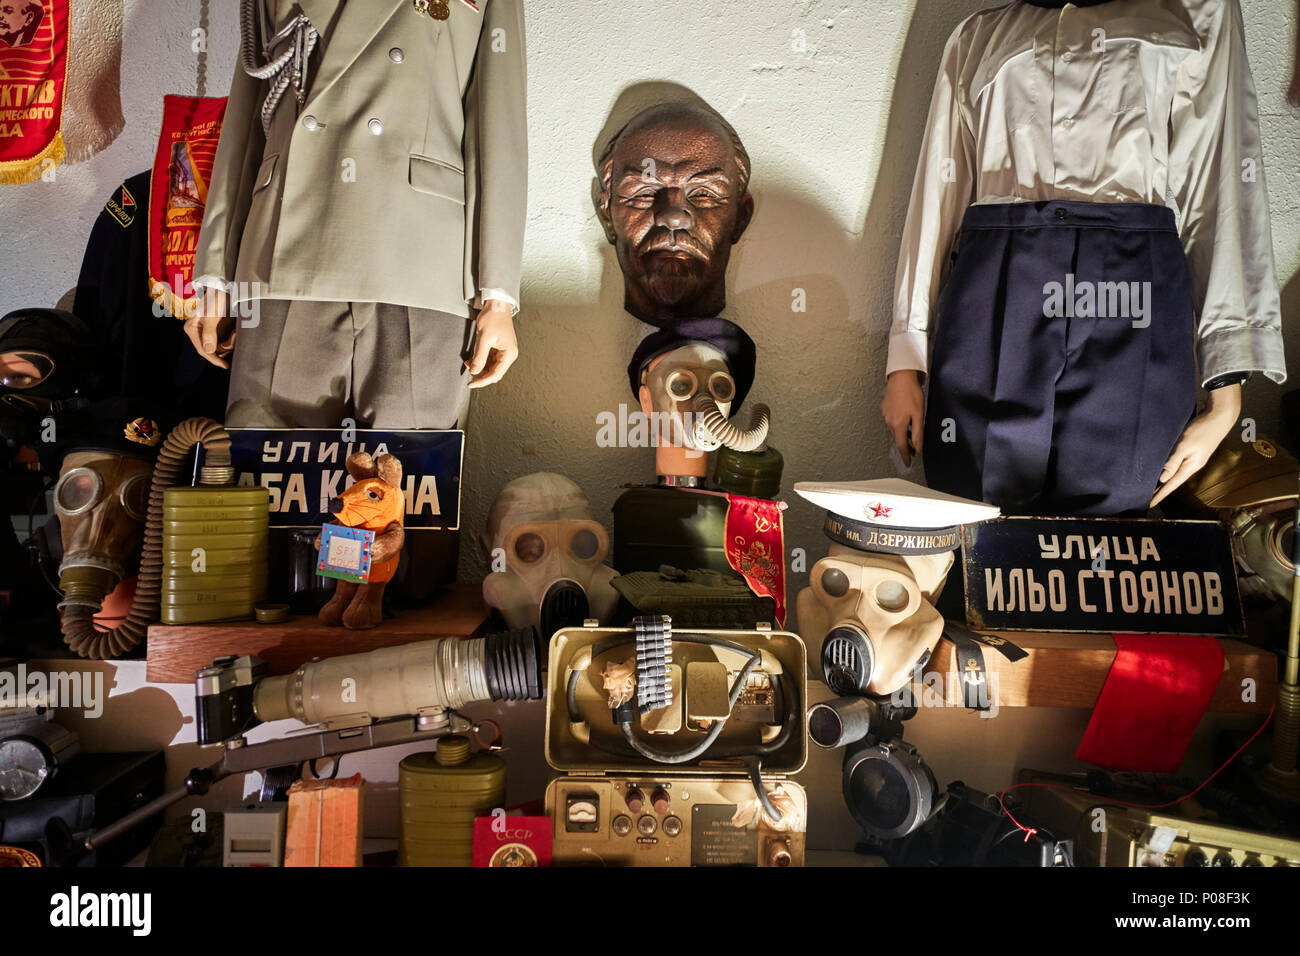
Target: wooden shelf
176, 651
1062, 670
1068, 670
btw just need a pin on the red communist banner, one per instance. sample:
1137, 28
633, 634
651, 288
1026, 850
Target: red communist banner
756, 547
178, 194
33, 76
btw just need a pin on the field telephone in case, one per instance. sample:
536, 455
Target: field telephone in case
676, 746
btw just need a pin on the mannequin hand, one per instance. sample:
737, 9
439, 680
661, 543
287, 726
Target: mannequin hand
495, 347
212, 328
904, 410
1199, 439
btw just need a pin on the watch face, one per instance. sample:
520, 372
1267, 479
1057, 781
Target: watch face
23, 768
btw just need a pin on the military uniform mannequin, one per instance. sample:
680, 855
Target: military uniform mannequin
369, 188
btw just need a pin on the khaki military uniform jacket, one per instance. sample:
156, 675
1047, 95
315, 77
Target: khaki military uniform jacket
402, 178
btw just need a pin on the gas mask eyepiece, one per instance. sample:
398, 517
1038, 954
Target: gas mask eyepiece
21, 370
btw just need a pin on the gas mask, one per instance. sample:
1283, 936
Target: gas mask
546, 556
1251, 489
693, 388
879, 626
102, 500
875, 614
46, 357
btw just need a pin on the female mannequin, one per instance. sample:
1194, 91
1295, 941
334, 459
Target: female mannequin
1067, 129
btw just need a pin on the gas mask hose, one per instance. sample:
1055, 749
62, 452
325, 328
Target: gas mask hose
79, 631
710, 421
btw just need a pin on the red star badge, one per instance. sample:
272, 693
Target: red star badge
879, 510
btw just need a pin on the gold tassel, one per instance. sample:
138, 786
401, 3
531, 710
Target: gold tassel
19, 171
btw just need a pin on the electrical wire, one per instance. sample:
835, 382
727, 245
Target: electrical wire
756, 778
1030, 831
794, 704
792, 708
699, 749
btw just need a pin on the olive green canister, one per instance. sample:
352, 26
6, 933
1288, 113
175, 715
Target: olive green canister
214, 553
756, 474
441, 794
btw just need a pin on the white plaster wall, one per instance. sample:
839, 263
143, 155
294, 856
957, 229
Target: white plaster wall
833, 134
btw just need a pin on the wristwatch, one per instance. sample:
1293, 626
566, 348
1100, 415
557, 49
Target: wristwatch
1227, 378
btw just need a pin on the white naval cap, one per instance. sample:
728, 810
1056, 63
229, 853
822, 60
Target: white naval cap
893, 515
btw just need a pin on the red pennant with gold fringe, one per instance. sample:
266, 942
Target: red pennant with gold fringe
33, 78
178, 194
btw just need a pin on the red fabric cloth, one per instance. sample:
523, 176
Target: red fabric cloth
756, 547
1158, 687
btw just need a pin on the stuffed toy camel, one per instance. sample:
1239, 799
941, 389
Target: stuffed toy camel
376, 503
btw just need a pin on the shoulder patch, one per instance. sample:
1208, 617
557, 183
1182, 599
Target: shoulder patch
122, 207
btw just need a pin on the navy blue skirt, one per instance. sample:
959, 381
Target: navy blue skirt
1063, 367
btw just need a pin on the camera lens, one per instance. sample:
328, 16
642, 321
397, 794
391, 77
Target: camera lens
845, 720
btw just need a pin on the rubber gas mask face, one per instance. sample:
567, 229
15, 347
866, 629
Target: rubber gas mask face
550, 566
102, 500
675, 381
874, 613
547, 555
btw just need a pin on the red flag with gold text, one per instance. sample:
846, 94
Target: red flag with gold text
33, 78
178, 194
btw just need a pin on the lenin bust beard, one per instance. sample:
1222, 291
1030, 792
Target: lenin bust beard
673, 200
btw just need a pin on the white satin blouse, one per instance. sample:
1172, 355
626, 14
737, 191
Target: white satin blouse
1125, 101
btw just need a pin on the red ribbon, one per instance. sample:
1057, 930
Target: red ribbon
755, 544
